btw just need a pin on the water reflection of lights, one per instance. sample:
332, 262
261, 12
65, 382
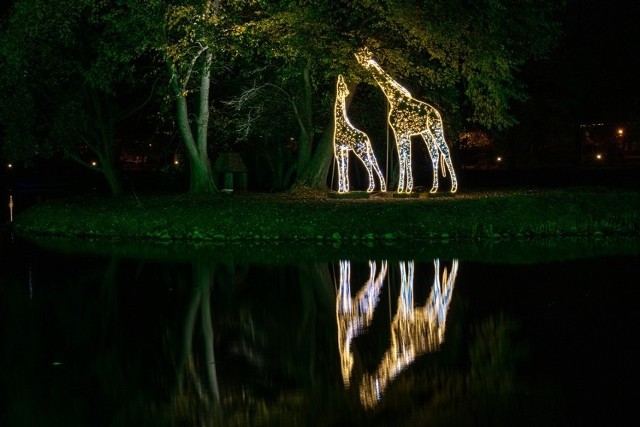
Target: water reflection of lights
355, 314
414, 330
10, 208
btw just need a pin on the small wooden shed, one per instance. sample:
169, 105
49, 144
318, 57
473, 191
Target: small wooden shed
231, 172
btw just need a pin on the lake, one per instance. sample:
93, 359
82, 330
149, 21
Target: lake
523, 333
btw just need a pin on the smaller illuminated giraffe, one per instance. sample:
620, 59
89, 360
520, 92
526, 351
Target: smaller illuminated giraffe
410, 117
414, 331
355, 314
347, 138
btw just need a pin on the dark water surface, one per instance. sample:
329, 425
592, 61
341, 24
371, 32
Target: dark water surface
97, 334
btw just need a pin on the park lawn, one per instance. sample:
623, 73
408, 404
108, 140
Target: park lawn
316, 216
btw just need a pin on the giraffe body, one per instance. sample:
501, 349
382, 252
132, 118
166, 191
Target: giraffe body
411, 117
347, 138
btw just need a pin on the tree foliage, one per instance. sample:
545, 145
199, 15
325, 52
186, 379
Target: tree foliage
462, 56
60, 83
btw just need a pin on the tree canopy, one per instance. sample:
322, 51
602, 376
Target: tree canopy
462, 56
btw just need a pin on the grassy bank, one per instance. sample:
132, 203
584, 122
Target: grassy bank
480, 215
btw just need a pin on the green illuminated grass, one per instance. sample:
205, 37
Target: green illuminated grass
509, 214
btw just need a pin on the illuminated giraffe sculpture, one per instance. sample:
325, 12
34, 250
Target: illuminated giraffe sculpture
355, 314
414, 331
347, 138
410, 117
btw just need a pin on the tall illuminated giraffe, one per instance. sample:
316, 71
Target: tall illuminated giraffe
414, 331
355, 314
410, 117
347, 138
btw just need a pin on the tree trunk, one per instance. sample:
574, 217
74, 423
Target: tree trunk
105, 135
111, 175
318, 301
317, 170
201, 176
305, 120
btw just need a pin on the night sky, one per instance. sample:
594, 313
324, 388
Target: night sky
598, 60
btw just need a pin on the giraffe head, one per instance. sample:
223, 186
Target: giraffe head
364, 57
341, 88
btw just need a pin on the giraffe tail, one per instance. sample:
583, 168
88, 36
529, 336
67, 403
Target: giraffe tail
443, 166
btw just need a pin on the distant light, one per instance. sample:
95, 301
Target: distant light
175, 162
499, 159
149, 145
620, 132
599, 156
94, 164
9, 165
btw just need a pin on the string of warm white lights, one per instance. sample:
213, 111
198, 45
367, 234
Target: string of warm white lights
410, 117
347, 138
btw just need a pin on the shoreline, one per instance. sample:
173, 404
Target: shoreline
322, 217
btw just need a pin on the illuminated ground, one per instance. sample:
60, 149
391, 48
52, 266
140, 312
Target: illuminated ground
477, 215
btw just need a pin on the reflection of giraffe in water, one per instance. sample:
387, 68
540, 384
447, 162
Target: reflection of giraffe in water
346, 138
409, 117
355, 314
414, 331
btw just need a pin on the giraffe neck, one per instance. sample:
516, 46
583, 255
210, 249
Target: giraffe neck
340, 111
391, 88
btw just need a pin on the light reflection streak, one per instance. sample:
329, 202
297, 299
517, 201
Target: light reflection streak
10, 208
355, 314
414, 330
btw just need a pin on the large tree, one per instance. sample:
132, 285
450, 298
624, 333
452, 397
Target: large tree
295, 52
461, 56
57, 95
76, 47
189, 50
194, 41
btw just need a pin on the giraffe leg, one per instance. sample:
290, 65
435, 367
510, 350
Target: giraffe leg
373, 167
345, 168
404, 160
336, 155
432, 148
343, 186
401, 162
442, 145
362, 152
408, 165
376, 168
